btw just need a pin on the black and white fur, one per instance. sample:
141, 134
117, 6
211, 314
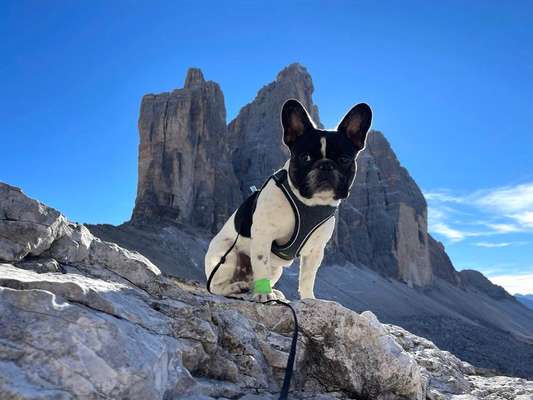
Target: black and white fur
321, 171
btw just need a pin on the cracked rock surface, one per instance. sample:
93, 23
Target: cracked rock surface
86, 319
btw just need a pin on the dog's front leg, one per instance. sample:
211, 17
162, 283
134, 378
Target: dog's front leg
309, 265
260, 247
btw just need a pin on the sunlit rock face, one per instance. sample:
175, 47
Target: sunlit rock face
383, 224
185, 173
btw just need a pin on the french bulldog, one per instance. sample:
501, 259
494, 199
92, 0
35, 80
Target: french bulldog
319, 173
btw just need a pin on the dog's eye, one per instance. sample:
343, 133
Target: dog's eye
345, 160
305, 158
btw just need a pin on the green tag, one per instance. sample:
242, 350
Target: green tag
262, 286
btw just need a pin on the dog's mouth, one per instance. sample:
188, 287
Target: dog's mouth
322, 182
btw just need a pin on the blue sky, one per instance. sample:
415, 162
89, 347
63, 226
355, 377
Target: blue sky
451, 85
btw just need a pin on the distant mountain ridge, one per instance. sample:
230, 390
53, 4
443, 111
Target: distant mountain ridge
525, 299
194, 171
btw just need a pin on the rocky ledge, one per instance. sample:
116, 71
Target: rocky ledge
85, 319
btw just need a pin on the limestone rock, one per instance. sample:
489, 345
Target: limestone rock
64, 350
30, 229
40, 265
477, 280
68, 336
185, 172
383, 224
27, 227
441, 265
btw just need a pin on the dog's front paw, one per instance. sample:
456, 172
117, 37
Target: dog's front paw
279, 294
264, 297
263, 291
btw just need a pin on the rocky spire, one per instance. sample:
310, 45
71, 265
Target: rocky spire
185, 173
194, 77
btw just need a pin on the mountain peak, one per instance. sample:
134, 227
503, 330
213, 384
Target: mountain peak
194, 77
292, 71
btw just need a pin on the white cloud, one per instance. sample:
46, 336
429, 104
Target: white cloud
442, 196
510, 199
524, 218
453, 234
502, 210
520, 283
493, 245
503, 228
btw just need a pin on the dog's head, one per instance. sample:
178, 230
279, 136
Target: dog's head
322, 163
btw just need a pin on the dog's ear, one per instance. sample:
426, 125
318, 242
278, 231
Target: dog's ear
356, 124
295, 121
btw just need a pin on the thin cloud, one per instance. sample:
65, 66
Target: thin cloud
501, 210
493, 245
519, 283
524, 218
443, 196
453, 234
509, 199
503, 228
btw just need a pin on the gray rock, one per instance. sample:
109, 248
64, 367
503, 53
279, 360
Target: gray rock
73, 336
51, 345
26, 226
185, 144
477, 280
40, 265
383, 224
441, 265
90, 338
29, 228
185, 172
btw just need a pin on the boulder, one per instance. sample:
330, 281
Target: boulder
27, 227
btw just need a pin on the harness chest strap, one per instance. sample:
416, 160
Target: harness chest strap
307, 219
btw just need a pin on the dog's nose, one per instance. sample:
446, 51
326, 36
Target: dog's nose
326, 165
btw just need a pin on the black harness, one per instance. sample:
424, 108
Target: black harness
307, 218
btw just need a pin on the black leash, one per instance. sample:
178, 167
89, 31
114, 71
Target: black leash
292, 353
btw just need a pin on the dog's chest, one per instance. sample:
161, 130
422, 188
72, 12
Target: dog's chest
273, 215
